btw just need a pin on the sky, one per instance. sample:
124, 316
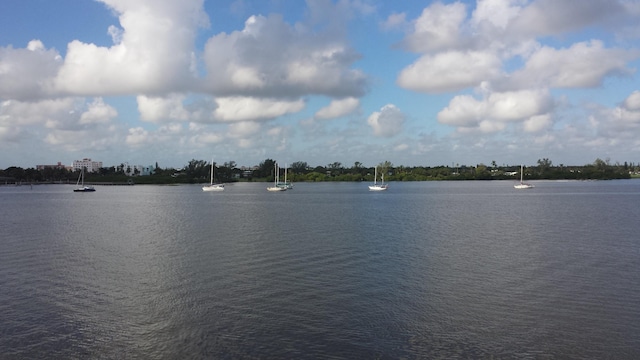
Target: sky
415, 83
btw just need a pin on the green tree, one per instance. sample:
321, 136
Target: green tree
544, 166
299, 167
266, 169
197, 170
335, 168
15, 172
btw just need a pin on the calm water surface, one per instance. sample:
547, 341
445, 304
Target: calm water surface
326, 270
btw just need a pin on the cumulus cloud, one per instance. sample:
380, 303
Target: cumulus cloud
437, 28
25, 73
632, 102
584, 64
497, 13
153, 53
94, 138
506, 32
629, 111
270, 58
549, 17
64, 121
98, 113
538, 123
249, 108
22, 113
450, 71
460, 52
395, 20
244, 129
387, 122
11, 134
137, 136
491, 113
178, 107
338, 108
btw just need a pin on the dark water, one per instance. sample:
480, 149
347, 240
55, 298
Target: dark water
325, 271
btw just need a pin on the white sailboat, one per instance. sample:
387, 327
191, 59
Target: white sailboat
276, 179
522, 184
286, 184
212, 186
378, 187
80, 187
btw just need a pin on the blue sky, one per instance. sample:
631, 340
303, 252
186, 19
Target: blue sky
410, 82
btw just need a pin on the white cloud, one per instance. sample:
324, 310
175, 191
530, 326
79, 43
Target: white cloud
463, 111
632, 102
550, 17
270, 58
153, 53
584, 64
158, 109
498, 108
138, 137
437, 28
24, 73
537, 123
11, 134
460, 53
170, 133
208, 138
98, 113
450, 71
52, 113
98, 138
244, 129
248, 108
395, 20
387, 122
498, 13
628, 113
338, 108
518, 105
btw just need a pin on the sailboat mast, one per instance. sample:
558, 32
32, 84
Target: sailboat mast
212, 171
375, 175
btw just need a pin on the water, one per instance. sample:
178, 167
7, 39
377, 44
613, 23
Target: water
326, 270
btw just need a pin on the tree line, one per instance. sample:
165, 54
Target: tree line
198, 171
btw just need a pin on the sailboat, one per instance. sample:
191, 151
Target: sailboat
212, 186
276, 179
522, 184
286, 184
80, 187
378, 187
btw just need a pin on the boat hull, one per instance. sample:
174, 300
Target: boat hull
523, 186
85, 189
276, 188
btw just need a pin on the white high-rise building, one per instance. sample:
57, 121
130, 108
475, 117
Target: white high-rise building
91, 166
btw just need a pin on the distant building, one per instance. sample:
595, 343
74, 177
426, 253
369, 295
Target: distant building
247, 172
59, 165
91, 166
138, 170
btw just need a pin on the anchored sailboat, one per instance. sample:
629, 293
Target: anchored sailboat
80, 187
286, 184
276, 179
522, 184
378, 187
212, 186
